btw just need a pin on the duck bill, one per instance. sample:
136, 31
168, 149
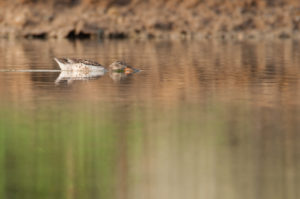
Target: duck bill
128, 70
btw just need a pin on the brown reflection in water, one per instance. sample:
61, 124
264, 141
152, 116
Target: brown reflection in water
264, 73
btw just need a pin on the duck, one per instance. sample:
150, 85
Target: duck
122, 67
82, 65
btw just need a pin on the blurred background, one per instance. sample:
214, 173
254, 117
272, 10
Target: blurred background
199, 19
214, 112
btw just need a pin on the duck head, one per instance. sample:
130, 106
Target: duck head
122, 67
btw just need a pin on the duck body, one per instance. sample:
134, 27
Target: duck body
82, 65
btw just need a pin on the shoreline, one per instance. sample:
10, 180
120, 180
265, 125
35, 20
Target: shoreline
144, 22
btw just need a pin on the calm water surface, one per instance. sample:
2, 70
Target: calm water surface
202, 120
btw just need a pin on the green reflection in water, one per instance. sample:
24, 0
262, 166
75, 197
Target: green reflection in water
2, 167
128, 151
51, 153
79, 150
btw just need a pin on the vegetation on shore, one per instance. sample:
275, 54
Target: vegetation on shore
150, 19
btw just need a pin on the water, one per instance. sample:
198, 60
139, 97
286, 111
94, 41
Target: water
202, 120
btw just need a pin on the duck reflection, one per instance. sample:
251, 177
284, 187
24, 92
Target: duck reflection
70, 76
117, 77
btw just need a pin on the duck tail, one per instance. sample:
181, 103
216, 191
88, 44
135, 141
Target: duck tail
61, 62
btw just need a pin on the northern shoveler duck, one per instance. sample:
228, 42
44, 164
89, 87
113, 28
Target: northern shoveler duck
68, 64
122, 67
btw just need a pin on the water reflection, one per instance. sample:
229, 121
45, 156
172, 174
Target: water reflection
203, 120
70, 76
117, 77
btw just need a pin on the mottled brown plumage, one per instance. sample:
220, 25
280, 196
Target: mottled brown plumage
83, 61
71, 64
